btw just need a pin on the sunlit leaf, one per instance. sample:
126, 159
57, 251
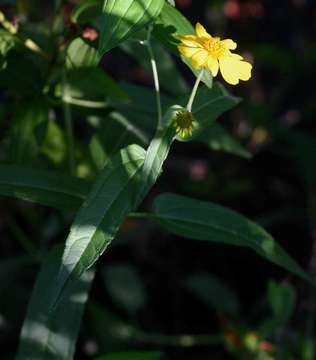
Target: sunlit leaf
122, 18
168, 26
48, 334
111, 199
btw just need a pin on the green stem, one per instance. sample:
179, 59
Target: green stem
155, 75
141, 215
194, 91
68, 127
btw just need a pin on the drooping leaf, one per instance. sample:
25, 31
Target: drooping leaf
43, 187
203, 220
125, 286
48, 334
111, 199
131, 356
122, 18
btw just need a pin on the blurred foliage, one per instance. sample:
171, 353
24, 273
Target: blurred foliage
157, 295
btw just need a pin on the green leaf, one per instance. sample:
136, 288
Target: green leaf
209, 104
28, 130
7, 42
214, 293
81, 54
168, 26
53, 335
86, 11
55, 145
167, 68
115, 132
111, 199
217, 138
125, 287
202, 220
281, 298
91, 83
131, 356
43, 187
141, 109
157, 152
122, 18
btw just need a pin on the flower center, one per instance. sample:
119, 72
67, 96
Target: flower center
215, 47
184, 123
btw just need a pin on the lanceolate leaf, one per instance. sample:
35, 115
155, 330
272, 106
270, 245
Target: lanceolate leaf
207, 221
157, 152
53, 335
122, 18
111, 199
43, 187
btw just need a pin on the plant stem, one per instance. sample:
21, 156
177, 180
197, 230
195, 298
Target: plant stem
194, 91
68, 127
141, 215
155, 75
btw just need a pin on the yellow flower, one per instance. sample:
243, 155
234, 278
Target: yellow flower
212, 53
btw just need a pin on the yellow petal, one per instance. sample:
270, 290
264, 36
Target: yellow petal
199, 59
244, 69
191, 43
233, 69
229, 44
201, 32
212, 65
186, 51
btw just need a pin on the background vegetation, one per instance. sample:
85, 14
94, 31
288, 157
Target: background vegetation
155, 291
